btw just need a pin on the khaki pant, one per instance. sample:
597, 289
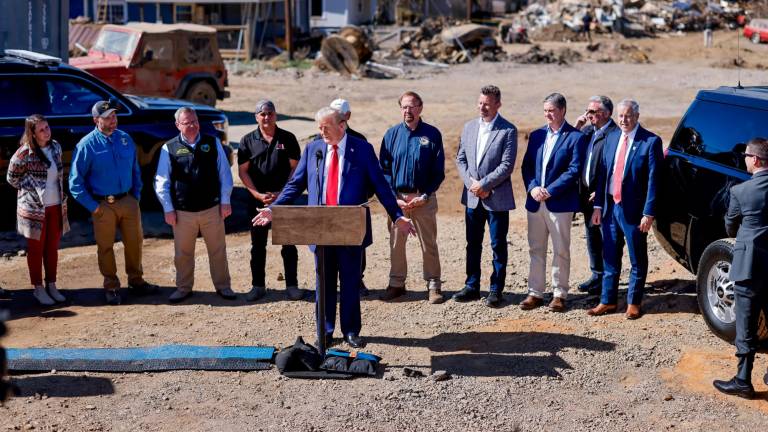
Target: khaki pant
211, 225
543, 225
425, 220
124, 214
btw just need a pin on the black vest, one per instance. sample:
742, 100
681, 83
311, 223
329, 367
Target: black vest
195, 184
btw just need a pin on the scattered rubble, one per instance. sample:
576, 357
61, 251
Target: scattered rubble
536, 54
439, 40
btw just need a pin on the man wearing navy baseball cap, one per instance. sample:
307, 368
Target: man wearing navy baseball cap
105, 179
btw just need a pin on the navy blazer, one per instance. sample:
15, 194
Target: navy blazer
361, 173
563, 169
642, 175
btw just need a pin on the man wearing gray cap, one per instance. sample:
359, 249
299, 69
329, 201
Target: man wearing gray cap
266, 159
105, 179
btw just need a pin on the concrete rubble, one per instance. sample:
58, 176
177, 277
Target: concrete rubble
439, 42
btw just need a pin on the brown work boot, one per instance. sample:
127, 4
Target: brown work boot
531, 302
436, 296
633, 312
602, 309
557, 304
392, 293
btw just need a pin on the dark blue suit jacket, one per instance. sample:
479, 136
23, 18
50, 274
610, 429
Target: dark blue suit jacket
361, 173
563, 169
642, 173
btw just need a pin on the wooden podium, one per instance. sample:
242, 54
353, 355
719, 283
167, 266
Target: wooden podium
320, 226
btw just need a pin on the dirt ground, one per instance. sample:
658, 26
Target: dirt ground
510, 370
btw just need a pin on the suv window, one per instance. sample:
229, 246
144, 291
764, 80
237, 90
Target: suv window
706, 132
162, 53
27, 95
198, 51
72, 97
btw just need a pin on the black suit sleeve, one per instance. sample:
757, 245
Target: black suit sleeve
733, 217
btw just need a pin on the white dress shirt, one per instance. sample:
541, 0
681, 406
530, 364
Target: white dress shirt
630, 140
163, 176
483, 135
549, 145
587, 172
328, 156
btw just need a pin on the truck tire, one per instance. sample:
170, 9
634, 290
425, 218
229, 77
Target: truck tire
715, 292
201, 92
755, 38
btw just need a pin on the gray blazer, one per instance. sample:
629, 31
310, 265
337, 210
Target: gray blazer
495, 167
747, 220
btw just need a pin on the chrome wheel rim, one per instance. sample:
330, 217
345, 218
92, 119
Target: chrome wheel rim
720, 292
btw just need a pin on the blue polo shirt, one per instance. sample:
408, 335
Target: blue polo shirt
413, 160
104, 165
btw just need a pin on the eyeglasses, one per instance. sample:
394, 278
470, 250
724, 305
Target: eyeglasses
409, 107
189, 123
591, 112
746, 155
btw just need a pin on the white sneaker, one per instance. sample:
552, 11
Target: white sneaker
54, 293
42, 296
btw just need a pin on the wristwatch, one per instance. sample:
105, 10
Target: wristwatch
425, 197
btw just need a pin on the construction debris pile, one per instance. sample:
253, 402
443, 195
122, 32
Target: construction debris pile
562, 20
436, 40
536, 54
439, 42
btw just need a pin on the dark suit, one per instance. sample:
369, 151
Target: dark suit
494, 172
621, 221
551, 219
360, 173
747, 220
587, 185
563, 168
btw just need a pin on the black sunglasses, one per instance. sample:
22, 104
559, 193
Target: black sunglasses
745, 154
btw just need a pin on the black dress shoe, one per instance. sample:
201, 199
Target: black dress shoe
493, 300
143, 289
354, 340
593, 285
735, 387
467, 294
364, 292
4, 294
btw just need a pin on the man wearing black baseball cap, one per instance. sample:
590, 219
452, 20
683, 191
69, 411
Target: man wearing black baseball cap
105, 179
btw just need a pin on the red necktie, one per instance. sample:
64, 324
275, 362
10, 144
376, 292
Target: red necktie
618, 170
332, 185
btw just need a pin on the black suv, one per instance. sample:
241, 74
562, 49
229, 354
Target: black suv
35, 83
703, 161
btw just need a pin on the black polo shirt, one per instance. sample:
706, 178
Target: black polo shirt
270, 161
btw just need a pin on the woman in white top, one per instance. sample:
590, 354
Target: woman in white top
36, 171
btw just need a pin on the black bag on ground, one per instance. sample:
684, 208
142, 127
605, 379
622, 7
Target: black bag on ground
300, 357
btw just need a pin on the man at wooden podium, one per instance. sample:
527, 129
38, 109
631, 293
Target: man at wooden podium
339, 169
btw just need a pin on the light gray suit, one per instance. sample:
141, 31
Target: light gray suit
496, 164
494, 173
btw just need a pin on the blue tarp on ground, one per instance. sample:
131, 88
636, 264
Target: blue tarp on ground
159, 358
